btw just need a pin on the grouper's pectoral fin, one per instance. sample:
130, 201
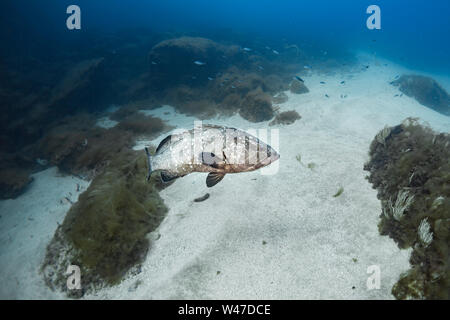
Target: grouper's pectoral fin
210, 159
214, 178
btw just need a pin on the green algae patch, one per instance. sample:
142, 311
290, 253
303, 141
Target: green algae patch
339, 192
410, 168
105, 232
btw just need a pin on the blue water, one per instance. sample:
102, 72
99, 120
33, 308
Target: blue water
58, 87
413, 32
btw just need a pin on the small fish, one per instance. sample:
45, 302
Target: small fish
199, 63
275, 51
210, 79
307, 67
260, 68
233, 87
396, 95
326, 95
217, 150
322, 82
342, 82
396, 77
154, 63
267, 47
401, 95
299, 79
367, 67
247, 49
203, 198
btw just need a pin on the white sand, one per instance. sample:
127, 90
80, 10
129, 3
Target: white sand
27, 225
310, 237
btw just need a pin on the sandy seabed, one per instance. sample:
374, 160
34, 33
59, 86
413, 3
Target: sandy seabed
258, 236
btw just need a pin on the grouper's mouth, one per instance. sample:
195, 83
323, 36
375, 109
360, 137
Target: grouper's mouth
274, 156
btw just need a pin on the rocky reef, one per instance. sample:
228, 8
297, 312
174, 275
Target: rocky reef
426, 91
188, 60
201, 77
409, 166
136, 69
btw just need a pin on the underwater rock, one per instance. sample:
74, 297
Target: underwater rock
13, 182
191, 101
257, 106
298, 87
280, 98
79, 147
286, 117
15, 170
105, 232
175, 60
75, 79
203, 78
141, 124
426, 91
53, 94
409, 166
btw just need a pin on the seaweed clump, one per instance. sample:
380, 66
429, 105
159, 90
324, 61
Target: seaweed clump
409, 166
257, 106
286, 117
104, 233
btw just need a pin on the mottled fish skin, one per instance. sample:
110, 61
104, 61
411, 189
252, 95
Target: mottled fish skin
229, 150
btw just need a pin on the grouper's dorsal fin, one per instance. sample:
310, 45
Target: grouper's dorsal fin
163, 142
214, 178
210, 159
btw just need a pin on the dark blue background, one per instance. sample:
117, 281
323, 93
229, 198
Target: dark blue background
414, 32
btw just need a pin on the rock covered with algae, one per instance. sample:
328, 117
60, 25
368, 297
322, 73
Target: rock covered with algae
426, 91
104, 233
409, 166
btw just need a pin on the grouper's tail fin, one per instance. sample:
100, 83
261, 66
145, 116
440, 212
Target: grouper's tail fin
149, 161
